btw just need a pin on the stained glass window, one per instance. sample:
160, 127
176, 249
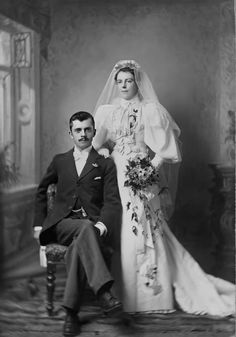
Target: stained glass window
21, 50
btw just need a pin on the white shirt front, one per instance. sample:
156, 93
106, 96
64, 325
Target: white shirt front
80, 157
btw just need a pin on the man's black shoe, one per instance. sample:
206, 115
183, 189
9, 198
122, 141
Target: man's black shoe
110, 305
71, 326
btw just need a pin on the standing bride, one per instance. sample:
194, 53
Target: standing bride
142, 138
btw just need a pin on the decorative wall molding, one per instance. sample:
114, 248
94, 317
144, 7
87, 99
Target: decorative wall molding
24, 112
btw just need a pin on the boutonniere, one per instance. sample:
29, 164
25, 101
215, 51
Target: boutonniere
94, 164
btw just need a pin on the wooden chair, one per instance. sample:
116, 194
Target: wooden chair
55, 254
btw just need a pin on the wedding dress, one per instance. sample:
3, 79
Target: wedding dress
156, 269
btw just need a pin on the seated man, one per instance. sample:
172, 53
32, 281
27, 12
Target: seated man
85, 217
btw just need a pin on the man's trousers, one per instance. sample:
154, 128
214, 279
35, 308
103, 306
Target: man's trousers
84, 259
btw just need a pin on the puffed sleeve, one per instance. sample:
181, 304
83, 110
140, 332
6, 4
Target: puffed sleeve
161, 132
102, 125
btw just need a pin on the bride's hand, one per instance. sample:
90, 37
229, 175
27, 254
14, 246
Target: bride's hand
104, 152
157, 161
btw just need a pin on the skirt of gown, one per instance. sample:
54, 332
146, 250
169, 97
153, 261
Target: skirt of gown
154, 278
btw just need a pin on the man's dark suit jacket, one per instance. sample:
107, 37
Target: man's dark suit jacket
96, 190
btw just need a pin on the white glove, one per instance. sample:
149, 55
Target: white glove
104, 152
157, 161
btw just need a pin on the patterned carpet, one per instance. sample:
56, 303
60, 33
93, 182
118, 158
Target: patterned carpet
22, 314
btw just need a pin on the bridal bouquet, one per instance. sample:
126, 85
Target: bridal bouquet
140, 174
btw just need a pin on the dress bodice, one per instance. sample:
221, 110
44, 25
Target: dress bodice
127, 128
137, 126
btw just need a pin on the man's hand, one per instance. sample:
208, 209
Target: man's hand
37, 231
102, 228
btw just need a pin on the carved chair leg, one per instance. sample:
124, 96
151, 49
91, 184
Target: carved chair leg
51, 270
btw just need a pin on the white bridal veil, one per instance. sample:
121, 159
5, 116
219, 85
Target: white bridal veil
146, 93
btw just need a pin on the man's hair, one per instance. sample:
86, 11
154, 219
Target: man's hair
81, 116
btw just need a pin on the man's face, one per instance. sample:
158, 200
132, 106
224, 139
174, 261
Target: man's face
82, 133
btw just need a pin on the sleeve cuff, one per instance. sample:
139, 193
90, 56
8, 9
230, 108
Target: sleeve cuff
102, 228
38, 228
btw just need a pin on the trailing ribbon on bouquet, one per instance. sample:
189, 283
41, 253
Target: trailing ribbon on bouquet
142, 179
146, 222
140, 223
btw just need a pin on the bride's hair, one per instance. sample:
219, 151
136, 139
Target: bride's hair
125, 70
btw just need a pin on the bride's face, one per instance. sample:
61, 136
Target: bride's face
126, 85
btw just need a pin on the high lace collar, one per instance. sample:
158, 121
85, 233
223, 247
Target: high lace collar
125, 103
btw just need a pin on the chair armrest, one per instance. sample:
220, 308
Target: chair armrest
51, 194
55, 252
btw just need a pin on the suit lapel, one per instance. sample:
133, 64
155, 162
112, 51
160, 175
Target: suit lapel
70, 165
90, 163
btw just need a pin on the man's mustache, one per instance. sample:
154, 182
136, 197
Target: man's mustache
83, 139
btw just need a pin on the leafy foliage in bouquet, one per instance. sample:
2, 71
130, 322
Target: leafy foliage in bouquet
140, 174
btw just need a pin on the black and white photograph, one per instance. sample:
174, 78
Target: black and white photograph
117, 168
